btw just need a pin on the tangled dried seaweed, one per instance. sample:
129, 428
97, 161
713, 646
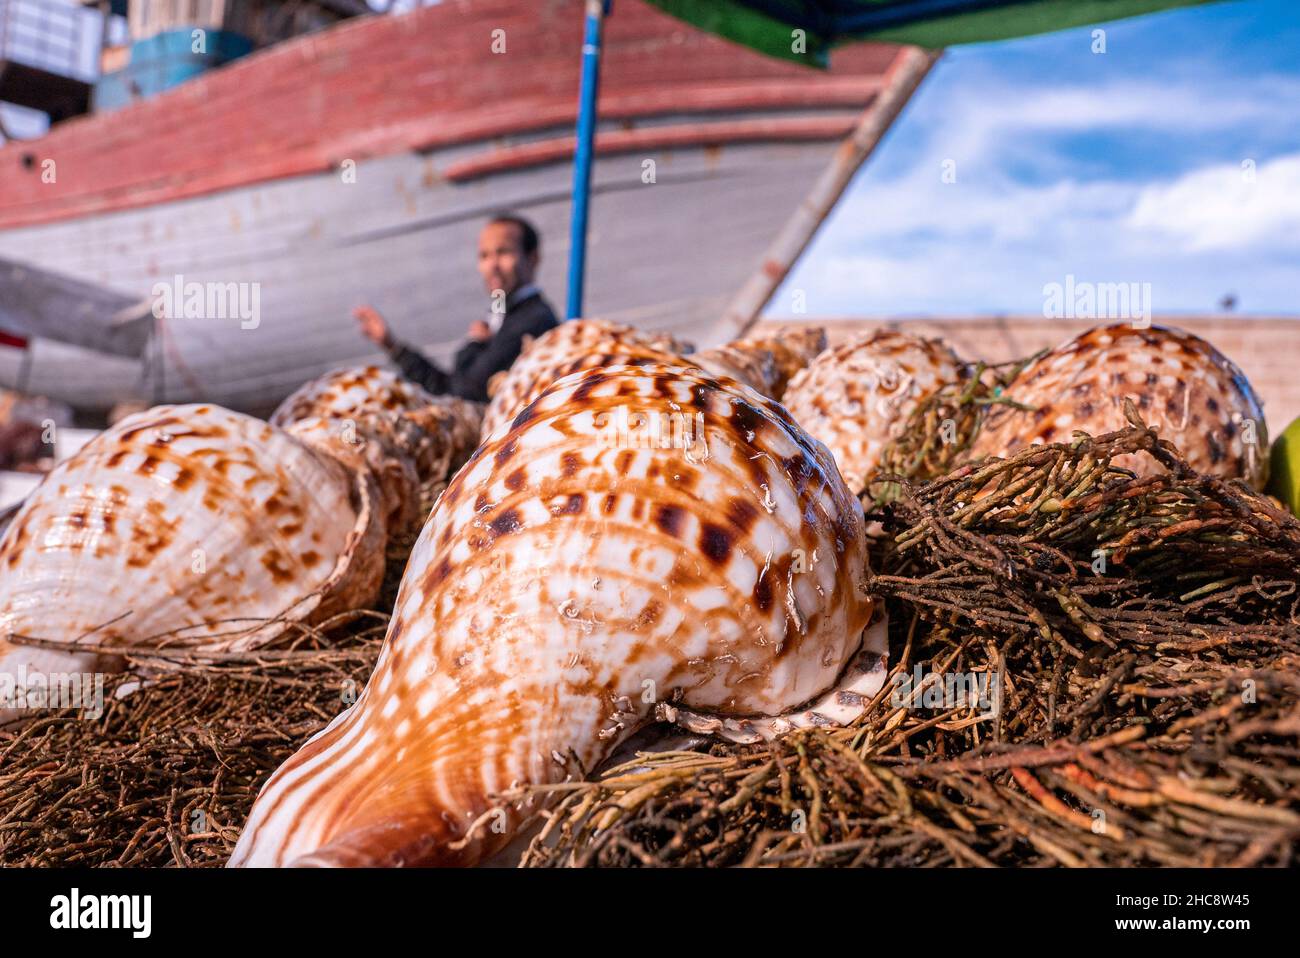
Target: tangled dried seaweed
1144, 638
167, 774
1143, 633
938, 434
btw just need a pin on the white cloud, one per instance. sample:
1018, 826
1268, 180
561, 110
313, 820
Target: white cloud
1226, 207
982, 122
1027, 208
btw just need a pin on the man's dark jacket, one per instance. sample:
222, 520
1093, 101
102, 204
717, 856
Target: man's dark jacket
476, 362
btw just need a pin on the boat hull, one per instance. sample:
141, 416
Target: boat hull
662, 255
357, 165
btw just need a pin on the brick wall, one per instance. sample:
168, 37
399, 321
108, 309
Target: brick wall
1266, 348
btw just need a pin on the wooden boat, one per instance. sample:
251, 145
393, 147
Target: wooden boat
357, 163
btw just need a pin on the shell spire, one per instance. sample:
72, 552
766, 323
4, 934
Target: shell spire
593, 560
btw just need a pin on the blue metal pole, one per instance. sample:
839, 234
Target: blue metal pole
597, 10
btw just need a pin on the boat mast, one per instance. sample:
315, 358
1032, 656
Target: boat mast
597, 10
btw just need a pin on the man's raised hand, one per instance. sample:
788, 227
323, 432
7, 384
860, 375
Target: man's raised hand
373, 326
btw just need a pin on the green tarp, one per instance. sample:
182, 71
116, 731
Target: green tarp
768, 25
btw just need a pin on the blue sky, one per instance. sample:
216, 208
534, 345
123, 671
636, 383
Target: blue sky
1123, 166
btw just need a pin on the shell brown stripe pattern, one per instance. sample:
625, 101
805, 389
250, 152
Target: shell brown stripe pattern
1194, 395
184, 517
570, 347
639, 534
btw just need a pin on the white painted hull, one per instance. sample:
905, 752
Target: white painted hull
666, 254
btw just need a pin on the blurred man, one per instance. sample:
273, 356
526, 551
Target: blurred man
508, 254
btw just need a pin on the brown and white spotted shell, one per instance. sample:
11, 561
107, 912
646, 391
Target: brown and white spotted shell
375, 418
346, 392
568, 348
858, 396
185, 517
1196, 396
572, 576
451, 424
755, 368
765, 362
792, 348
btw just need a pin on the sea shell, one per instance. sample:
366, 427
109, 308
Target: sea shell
792, 348
351, 390
572, 346
406, 437
755, 368
858, 396
764, 363
363, 390
1180, 384
186, 517
572, 578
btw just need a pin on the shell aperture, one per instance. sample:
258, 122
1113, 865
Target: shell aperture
221, 523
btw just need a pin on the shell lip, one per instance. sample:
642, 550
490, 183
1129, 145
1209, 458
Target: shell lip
367, 536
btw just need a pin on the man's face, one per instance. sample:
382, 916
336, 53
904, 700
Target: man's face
501, 259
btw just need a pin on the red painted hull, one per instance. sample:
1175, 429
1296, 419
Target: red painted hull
714, 166
428, 81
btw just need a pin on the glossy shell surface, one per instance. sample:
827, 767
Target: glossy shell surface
858, 396
1194, 395
580, 570
188, 517
570, 347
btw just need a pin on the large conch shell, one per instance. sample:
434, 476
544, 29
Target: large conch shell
373, 418
1195, 396
572, 346
577, 574
184, 517
858, 396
